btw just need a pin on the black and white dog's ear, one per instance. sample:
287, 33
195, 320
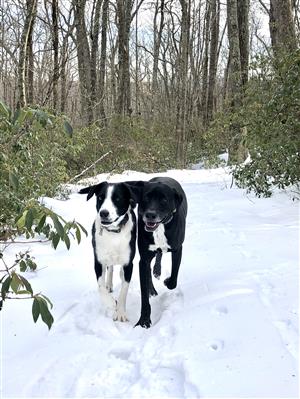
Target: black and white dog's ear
91, 190
178, 198
136, 188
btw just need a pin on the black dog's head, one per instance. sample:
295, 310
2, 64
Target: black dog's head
157, 204
112, 201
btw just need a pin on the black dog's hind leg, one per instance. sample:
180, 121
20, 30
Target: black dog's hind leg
157, 265
171, 282
145, 273
152, 290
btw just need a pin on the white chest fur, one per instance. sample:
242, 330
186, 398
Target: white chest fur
160, 240
113, 248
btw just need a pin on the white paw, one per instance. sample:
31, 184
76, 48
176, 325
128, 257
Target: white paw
120, 315
108, 300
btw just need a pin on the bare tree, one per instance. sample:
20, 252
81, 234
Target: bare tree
31, 7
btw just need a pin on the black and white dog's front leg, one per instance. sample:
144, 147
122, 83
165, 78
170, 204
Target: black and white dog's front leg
144, 269
125, 274
106, 298
171, 282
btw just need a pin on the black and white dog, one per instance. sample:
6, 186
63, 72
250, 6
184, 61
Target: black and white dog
162, 214
113, 239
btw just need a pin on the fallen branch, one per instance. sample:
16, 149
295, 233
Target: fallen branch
89, 167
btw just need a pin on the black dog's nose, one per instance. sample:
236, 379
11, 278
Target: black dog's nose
104, 213
150, 215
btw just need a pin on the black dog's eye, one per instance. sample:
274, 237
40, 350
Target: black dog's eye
117, 199
164, 201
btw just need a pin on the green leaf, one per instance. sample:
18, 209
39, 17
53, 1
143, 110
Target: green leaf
35, 309
82, 228
23, 266
29, 219
68, 128
5, 287
55, 240
41, 224
67, 241
58, 226
45, 313
78, 235
48, 300
4, 110
15, 283
21, 221
26, 284
13, 180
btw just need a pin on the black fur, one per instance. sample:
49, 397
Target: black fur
161, 200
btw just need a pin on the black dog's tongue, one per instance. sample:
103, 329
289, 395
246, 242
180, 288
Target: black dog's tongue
151, 226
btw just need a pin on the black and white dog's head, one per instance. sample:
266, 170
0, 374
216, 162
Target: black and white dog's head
113, 201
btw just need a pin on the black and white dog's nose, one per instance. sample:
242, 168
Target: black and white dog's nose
150, 215
104, 213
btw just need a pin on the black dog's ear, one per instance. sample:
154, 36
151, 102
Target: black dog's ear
136, 189
91, 190
178, 198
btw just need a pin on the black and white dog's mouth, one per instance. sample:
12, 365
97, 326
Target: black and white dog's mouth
107, 223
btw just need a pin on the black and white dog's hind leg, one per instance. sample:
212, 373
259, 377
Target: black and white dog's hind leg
106, 297
125, 275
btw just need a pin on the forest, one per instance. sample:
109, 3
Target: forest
90, 86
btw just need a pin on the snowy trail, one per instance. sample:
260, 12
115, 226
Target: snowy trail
230, 329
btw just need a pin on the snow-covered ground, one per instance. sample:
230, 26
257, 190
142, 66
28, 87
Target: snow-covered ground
230, 329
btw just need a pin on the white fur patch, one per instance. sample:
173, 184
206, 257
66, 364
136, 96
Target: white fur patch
108, 205
160, 240
113, 248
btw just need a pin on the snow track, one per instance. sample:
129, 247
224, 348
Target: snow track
230, 329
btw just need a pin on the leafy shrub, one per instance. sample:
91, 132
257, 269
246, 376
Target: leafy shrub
33, 147
272, 116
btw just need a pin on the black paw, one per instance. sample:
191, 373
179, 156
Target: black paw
169, 283
157, 271
145, 323
152, 291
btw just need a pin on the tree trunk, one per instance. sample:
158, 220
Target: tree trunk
55, 53
207, 20
124, 8
243, 25
157, 42
234, 77
31, 6
282, 26
95, 31
182, 107
84, 61
101, 84
213, 59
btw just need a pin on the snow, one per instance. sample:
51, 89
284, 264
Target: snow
230, 329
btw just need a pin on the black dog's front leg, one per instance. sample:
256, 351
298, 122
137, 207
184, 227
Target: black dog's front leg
144, 269
171, 282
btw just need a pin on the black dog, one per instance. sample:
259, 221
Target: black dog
161, 228
113, 238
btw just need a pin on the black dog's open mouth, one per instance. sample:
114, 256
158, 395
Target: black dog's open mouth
151, 226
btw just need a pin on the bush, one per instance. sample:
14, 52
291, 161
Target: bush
272, 115
33, 148
33, 145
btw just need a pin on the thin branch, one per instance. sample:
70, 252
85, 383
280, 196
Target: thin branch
89, 167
